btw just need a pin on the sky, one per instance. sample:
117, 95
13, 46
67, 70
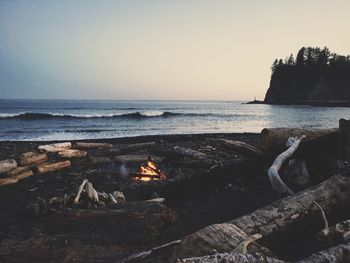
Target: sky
162, 50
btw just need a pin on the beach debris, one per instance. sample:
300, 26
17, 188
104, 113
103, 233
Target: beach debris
274, 139
99, 159
55, 147
277, 184
15, 178
89, 145
50, 167
18, 170
136, 158
7, 165
72, 153
137, 146
32, 157
236, 146
189, 152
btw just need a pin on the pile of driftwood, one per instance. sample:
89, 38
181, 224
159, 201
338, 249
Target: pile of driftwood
250, 238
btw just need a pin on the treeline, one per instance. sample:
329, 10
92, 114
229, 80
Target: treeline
313, 74
309, 56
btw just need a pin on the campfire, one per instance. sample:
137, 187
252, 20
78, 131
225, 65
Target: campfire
148, 172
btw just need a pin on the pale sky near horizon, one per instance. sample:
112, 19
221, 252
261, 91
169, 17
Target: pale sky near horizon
212, 50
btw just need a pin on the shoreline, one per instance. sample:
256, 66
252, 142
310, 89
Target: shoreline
143, 137
329, 103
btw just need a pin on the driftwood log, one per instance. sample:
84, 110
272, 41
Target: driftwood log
50, 167
135, 158
15, 178
32, 157
279, 219
339, 254
274, 139
238, 147
72, 153
7, 165
55, 147
344, 140
277, 184
90, 145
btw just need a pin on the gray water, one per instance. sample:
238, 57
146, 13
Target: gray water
87, 119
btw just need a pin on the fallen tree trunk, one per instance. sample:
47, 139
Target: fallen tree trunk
90, 145
14, 179
281, 218
46, 168
7, 165
238, 147
72, 153
55, 147
340, 254
274, 139
32, 157
187, 152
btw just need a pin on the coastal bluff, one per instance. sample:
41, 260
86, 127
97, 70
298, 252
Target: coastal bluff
315, 77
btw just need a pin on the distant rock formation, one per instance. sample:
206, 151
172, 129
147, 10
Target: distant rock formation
315, 77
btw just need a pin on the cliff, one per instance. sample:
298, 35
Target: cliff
316, 77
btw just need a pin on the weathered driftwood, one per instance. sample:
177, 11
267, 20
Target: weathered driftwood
55, 147
99, 159
51, 167
91, 192
14, 179
297, 172
140, 219
32, 157
189, 152
90, 145
275, 138
136, 158
72, 153
18, 170
277, 184
7, 165
80, 190
339, 233
138, 146
238, 147
344, 140
284, 216
340, 254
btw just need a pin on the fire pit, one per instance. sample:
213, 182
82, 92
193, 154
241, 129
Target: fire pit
149, 171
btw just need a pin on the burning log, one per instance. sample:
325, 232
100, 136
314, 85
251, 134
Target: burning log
72, 153
236, 146
55, 147
274, 139
46, 168
90, 145
149, 171
277, 184
7, 165
285, 216
16, 178
33, 157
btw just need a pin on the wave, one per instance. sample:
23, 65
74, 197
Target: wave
45, 116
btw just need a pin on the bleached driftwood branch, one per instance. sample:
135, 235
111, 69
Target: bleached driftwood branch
277, 184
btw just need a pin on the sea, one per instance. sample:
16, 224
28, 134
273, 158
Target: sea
47, 120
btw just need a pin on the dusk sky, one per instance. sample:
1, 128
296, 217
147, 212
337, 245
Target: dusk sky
191, 49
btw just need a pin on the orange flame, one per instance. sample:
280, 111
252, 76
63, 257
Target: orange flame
149, 171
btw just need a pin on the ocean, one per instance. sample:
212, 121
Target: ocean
44, 120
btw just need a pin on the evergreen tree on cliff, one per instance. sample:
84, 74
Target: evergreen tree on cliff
316, 75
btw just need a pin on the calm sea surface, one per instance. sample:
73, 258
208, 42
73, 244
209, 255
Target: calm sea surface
69, 119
